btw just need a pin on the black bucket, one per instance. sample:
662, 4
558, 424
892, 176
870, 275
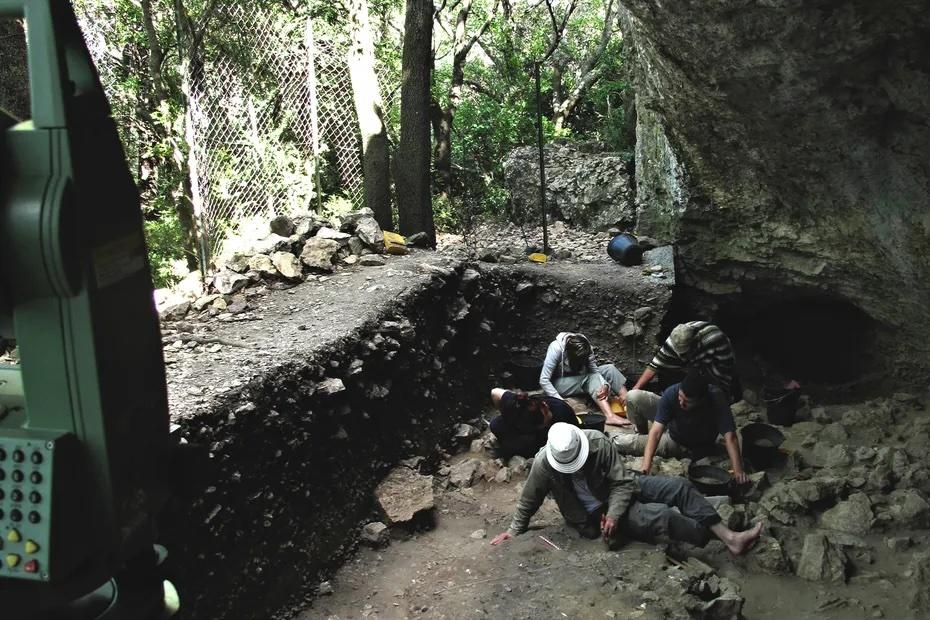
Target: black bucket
525, 370
781, 404
625, 249
761, 443
710, 480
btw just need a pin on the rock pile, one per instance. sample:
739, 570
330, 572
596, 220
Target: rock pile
850, 496
853, 487
508, 243
290, 251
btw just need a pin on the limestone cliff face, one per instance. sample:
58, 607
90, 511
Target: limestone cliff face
785, 146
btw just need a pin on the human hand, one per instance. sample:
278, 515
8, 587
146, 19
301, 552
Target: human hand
602, 392
608, 526
501, 538
741, 478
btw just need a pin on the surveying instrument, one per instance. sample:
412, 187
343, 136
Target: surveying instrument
84, 431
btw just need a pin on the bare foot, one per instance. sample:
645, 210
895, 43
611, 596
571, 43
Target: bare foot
740, 542
614, 420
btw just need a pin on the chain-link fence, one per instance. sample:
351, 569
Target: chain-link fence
251, 122
270, 120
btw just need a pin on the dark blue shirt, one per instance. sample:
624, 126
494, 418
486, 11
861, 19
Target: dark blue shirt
522, 422
699, 426
561, 411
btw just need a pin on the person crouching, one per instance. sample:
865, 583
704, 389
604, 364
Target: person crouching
597, 495
570, 370
524, 421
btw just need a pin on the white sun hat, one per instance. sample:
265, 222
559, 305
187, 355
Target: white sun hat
567, 448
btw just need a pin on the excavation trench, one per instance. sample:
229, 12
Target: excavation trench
334, 384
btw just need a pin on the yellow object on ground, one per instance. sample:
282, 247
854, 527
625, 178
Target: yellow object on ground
618, 407
538, 257
395, 244
390, 237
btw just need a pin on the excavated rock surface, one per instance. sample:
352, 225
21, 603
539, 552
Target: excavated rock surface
783, 146
588, 189
307, 397
879, 570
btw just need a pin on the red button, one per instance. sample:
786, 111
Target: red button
32, 566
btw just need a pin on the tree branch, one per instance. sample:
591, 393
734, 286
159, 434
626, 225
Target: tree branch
201, 29
483, 90
589, 71
480, 32
558, 30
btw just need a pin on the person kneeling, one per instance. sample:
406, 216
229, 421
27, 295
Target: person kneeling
596, 495
695, 414
524, 422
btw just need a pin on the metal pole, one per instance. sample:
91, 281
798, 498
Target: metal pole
542, 163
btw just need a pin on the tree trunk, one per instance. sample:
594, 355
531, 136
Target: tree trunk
444, 150
444, 136
413, 154
568, 105
191, 70
587, 75
155, 54
366, 92
461, 47
558, 71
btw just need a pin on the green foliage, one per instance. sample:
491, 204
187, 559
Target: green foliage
337, 207
497, 110
164, 236
495, 113
446, 216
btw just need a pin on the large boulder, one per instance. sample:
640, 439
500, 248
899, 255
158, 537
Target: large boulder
318, 253
271, 243
919, 571
821, 560
466, 473
853, 516
351, 220
909, 509
287, 265
403, 494
228, 282
588, 189
263, 265
783, 145
370, 233
282, 226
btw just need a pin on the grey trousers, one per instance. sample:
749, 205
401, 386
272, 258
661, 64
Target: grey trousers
641, 407
590, 383
634, 444
653, 514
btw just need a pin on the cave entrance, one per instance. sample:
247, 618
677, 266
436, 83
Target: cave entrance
820, 342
